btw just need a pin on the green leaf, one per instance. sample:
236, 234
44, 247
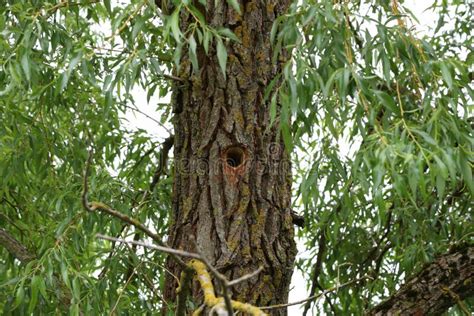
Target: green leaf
137, 27
74, 61
387, 101
9, 282
235, 5
273, 31
35, 287
228, 33
64, 78
446, 73
287, 138
440, 186
221, 55
76, 289
197, 14
25, 65
192, 53
19, 295
64, 274
74, 310
442, 169
174, 22
177, 55
328, 86
427, 137
7, 89
207, 38
107, 6
466, 171
269, 88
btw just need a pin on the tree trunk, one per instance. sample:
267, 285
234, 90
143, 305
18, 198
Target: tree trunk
439, 285
232, 184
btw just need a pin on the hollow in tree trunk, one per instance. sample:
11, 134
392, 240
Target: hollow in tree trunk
232, 185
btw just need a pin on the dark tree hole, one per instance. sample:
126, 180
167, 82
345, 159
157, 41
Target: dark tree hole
234, 156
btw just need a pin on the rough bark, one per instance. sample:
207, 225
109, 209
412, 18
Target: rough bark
441, 284
232, 184
14, 247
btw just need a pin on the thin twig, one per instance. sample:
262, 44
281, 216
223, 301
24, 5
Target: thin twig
85, 184
245, 277
313, 297
66, 3
171, 77
130, 18
199, 266
121, 293
135, 109
165, 249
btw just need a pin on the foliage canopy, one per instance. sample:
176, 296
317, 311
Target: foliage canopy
359, 77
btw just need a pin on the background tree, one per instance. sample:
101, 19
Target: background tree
396, 208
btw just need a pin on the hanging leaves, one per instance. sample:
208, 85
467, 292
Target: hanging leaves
376, 114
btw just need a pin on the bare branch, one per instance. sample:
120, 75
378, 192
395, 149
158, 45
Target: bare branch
171, 77
210, 298
134, 108
314, 297
222, 280
245, 277
164, 249
112, 312
200, 265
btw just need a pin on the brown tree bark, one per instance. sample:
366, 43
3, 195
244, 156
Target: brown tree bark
438, 286
14, 247
232, 184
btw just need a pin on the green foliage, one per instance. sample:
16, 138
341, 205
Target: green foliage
359, 77
65, 86
390, 177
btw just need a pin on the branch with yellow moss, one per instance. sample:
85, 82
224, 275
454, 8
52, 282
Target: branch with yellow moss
200, 266
210, 299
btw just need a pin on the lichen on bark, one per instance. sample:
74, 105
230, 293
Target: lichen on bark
239, 216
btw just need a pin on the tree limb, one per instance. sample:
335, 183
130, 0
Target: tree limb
15, 248
313, 298
439, 285
210, 298
199, 264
